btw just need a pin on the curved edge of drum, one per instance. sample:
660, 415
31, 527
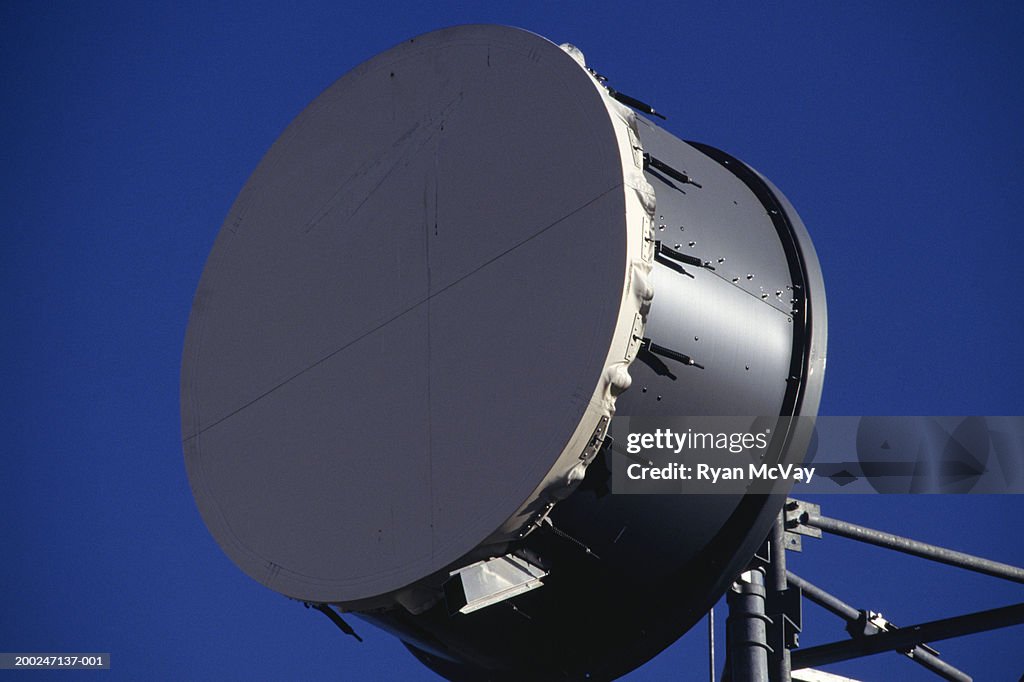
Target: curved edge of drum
749, 525
811, 327
756, 514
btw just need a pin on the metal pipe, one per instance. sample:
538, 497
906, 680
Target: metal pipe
938, 666
777, 583
907, 637
746, 628
824, 599
711, 643
915, 547
850, 614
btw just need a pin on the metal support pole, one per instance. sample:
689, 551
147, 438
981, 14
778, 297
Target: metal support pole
914, 547
777, 584
907, 637
747, 628
851, 615
711, 643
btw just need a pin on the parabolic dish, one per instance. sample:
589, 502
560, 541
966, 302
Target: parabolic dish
409, 312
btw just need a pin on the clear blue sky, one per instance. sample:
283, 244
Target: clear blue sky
128, 129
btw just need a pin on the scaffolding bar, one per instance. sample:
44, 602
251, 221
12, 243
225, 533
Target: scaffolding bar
824, 599
915, 547
848, 613
908, 637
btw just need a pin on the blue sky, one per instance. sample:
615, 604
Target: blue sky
128, 129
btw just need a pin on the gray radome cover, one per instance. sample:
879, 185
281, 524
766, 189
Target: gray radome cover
414, 315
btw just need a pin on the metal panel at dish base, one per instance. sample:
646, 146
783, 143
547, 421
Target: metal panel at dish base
424, 307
